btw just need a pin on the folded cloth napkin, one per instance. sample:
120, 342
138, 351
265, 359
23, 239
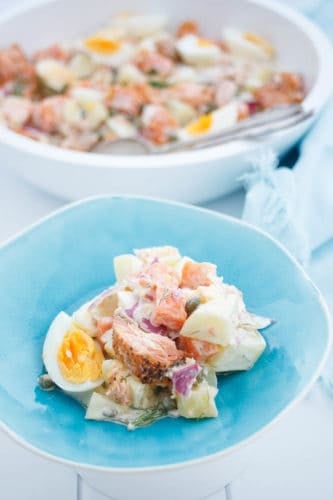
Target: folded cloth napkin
296, 206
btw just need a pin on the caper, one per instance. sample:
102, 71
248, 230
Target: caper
46, 383
192, 304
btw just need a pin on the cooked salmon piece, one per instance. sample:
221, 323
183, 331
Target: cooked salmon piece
187, 28
118, 388
160, 124
196, 274
159, 275
153, 63
169, 310
286, 88
200, 350
52, 52
147, 355
225, 92
14, 64
47, 115
128, 100
16, 110
195, 94
166, 46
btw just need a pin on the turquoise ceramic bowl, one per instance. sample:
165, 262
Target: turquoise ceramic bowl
66, 258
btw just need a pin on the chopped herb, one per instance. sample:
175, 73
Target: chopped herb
158, 84
148, 417
18, 88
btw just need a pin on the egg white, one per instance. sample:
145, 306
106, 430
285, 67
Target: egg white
198, 52
221, 119
54, 338
120, 56
240, 46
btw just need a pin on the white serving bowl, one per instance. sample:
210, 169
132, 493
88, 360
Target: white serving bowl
195, 176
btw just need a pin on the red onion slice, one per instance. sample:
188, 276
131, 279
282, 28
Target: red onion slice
183, 378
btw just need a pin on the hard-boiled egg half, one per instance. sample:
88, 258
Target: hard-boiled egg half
71, 357
198, 51
210, 123
247, 45
109, 51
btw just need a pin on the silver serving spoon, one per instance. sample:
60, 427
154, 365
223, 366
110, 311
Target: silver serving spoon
260, 125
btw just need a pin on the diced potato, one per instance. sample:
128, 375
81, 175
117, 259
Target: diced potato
167, 254
122, 127
81, 65
200, 403
142, 396
212, 321
54, 74
210, 292
84, 115
182, 74
210, 376
130, 74
182, 112
100, 407
125, 265
241, 353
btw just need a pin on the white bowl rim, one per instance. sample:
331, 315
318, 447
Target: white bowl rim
315, 99
230, 449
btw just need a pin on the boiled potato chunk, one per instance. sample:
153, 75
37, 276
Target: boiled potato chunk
212, 321
125, 265
241, 353
141, 395
200, 403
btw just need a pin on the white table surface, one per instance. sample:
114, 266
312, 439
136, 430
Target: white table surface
293, 461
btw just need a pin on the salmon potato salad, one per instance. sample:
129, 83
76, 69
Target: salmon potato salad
151, 345
137, 76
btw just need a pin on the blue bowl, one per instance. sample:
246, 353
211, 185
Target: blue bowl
67, 258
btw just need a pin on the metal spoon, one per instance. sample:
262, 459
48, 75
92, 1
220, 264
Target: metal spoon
264, 123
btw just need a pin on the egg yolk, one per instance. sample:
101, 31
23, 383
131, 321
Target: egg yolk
103, 46
261, 42
202, 42
79, 358
201, 126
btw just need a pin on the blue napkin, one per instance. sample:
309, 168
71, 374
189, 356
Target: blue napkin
296, 206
